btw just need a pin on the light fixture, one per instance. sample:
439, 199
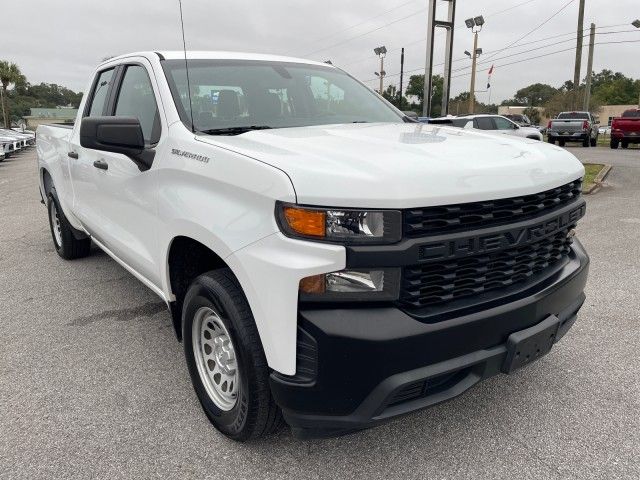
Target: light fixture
636, 23
466, 52
478, 51
380, 50
479, 20
470, 22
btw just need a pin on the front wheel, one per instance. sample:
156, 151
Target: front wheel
614, 144
586, 142
594, 142
225, 358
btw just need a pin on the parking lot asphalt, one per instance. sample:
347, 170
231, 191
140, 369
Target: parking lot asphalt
93, 383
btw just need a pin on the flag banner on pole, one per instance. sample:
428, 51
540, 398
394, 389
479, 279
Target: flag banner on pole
489, 78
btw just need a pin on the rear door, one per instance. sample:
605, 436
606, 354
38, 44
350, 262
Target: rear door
119, 201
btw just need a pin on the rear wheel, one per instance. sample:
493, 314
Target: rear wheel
66, 244
551, 140
225, 358
586, 142
614, 143
625, 144
594, 142
561, 143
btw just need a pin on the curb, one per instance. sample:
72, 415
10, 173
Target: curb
597, 182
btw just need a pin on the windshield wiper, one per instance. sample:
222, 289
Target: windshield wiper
235, 130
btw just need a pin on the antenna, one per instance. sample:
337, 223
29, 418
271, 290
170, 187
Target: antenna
186, 66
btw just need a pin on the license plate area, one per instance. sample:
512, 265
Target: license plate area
527, 345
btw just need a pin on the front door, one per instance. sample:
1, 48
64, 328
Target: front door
116, 199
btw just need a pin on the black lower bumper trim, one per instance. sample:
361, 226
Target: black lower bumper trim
378, 363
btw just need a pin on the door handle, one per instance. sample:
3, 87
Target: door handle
101, 164
73, 155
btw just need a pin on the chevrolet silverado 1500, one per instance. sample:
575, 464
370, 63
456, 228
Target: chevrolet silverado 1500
325, 260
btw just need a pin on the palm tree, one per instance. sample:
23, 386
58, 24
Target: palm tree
9, 74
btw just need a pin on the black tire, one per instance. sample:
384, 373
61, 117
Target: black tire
255, 413
624, 144
551, 141
614, 144
586, 142
561, 143
69, 247
594, 142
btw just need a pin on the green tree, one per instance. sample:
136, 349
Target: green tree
10, 74
569, 100
614, 88
535, 95
415, 88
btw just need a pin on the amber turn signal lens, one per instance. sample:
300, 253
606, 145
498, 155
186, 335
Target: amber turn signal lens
315, 284
306, 222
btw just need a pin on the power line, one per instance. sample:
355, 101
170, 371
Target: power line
363, 22
522, 60
422, 10
484, 62
547, 55
423, 40
536, 28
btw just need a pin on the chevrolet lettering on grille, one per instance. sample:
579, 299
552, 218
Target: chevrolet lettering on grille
493, 242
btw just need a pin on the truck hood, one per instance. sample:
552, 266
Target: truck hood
404, 165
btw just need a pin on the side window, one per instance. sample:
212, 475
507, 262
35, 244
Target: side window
484, 123
136, 99
99, 95
503, 123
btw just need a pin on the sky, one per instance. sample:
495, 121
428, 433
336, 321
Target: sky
62, 41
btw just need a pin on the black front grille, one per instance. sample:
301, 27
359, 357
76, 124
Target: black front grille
420, 222
436, 283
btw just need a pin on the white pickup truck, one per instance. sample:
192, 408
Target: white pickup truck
325, 259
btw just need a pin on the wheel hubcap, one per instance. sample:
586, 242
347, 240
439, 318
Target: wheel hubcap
55, 224
215, 358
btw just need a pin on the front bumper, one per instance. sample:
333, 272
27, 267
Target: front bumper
374, 364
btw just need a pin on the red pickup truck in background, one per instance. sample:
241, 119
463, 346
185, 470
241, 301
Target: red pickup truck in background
626, 129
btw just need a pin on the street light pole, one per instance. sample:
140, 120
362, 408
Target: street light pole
381, 52
475, 24
636, 23
472, 89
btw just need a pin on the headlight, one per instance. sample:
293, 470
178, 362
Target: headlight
340, 225
352, 285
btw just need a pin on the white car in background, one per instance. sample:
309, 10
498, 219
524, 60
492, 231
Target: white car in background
490, 123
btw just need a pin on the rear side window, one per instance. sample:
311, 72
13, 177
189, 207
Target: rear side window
484, 123
631, 114
99, 95
136, 99
503, 123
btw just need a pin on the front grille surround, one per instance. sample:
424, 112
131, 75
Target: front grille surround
441, 220
444, 281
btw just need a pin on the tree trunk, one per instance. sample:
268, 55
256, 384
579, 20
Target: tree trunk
5, 108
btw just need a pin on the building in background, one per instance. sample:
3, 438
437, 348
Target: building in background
41, 116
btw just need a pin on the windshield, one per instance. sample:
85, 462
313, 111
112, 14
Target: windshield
574, 116
229, 95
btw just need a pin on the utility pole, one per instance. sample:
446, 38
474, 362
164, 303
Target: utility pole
472, 89
587, 93
576, 73
401, 77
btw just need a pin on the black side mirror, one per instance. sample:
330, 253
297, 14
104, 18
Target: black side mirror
118, 135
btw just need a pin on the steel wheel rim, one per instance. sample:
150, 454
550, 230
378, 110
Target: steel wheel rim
55, 224
215, 358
